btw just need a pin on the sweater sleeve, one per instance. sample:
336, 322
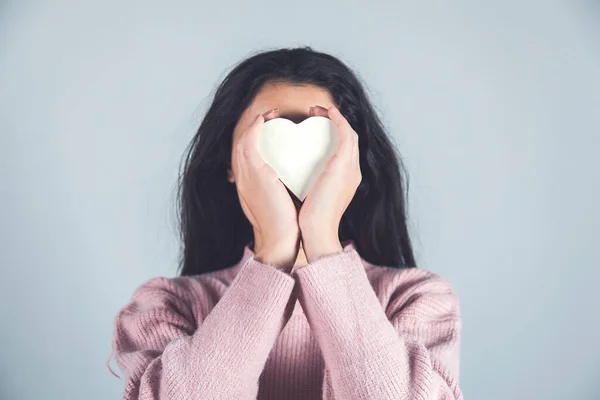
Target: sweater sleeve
408, 349
165, 355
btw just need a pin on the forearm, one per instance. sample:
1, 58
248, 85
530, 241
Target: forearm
320, 242
364, 352
164, 355
238, 334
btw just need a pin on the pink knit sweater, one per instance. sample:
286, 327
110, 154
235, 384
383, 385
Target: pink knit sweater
337, 328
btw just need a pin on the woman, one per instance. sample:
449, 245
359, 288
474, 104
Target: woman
282, 300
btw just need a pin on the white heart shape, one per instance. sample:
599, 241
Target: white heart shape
298, 152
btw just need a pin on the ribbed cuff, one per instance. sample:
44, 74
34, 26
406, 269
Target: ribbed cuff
263, 285
332, 267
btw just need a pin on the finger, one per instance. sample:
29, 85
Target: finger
344, 129
250, 145
355, 152
318, 111
271, 114
249, 141
336, 116
254, 130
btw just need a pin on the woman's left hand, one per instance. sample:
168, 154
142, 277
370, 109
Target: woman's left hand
322, 210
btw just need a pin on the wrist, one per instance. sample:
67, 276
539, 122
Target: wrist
319, 245
283, 263
281, 253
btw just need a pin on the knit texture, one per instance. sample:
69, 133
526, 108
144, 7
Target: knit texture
337, 328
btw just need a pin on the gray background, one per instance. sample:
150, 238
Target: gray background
495, 108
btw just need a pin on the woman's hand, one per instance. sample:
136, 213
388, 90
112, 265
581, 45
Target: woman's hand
322, 211
266, 202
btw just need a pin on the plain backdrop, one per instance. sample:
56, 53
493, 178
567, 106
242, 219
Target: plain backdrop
495, 107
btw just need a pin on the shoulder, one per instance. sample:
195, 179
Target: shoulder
163, 309
192, 297
414, 292
186, 286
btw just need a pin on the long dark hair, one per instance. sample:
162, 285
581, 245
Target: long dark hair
213, 227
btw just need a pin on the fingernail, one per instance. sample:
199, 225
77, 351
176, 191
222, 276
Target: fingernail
267, 113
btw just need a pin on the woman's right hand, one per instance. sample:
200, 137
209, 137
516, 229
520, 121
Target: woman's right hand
266, 201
